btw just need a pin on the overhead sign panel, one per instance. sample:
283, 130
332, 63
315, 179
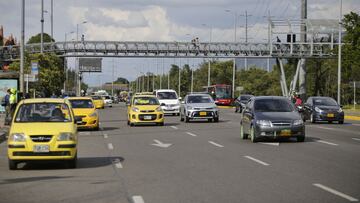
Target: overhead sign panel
90, 64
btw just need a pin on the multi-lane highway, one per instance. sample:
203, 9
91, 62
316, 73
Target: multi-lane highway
193, 162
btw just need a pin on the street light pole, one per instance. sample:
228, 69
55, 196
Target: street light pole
234, 60
52, 19
65, 71
209, 62
339, 59
22, 46
42, 27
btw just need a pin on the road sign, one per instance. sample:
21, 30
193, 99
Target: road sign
239, 88
34, 68
90, 64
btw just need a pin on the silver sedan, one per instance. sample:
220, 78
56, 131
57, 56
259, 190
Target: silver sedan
198, 106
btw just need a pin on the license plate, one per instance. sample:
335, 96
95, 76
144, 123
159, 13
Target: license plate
285, 133
202, 113
147, 117
330, 115
41, 148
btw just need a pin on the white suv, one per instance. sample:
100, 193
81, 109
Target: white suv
169, 101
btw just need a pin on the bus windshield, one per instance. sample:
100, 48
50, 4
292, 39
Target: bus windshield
223, 92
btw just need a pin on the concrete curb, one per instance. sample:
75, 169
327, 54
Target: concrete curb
354, 118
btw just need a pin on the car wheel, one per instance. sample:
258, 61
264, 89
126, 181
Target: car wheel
341, 122
312, 119
128, 122
96, 128
187, 119
216, 119
72, 163
161, 124
210, 119
181, 117
300, 138
131, 124
253, 134
242, 134
12, 164
329, 121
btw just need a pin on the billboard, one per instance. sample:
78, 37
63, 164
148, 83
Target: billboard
90, 64
6, 84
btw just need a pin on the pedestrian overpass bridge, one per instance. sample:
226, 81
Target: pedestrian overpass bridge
175, 49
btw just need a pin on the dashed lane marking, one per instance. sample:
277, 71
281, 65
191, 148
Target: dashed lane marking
325, 142
335, 192
270, 143
215, 144
84, 133
138, 199
174, 127
192, 134
110, 146
117, 163
257, 160
106, 136
357, 139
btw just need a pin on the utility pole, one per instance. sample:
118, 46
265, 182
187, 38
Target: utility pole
302, 71
112, 78
52, 19
42, 27
339, 54
22, 46
246, 34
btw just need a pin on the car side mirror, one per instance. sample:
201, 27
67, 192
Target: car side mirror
341, 106
180, 98
77, 120
162, 104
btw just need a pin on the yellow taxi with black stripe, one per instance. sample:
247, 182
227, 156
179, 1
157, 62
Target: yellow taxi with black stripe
98, 102
84, 108
145, 109
43, 129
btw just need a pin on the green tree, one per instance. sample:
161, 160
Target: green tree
37, 38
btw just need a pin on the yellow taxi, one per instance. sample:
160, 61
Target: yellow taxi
98, 102
145, 109
84, 108
43, 129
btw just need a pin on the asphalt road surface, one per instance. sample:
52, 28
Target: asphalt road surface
191, 163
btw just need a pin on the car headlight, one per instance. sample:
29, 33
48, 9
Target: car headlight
298, 122
317, 109
135, 109
93, 114
189, 108
17, 137
158, 108
340, 110
264, 123
65, 137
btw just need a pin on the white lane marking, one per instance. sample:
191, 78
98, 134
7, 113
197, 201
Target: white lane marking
117, 163
257, 160
270, 143
345, 196
138, 199
105, 136
215, 144
110, 146
325, 142
357, 139
174, 127
84, 133
192, 134
325, 128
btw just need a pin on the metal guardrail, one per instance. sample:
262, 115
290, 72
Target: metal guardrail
175, 49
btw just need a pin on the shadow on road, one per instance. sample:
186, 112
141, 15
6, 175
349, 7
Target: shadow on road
82, 163
109, 128
31, 179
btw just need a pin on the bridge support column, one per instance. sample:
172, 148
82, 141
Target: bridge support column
302, 79
282, 78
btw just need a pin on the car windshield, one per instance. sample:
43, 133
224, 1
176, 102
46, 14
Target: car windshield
223, 92
106, 97
273, 105
43, 112
96, 97
245, 97
81, 104
199, 99
324, 102
146, 101
166, 95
